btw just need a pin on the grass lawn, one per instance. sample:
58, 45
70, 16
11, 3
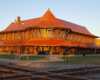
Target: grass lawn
10, 56
34, 58
81, 59
7, 56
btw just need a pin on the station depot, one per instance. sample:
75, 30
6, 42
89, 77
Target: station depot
47, 35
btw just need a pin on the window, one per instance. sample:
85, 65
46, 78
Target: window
43, 33
90, 40
2, 36
84, 39
87, 39
29, 34
54, 49
21, 35
60, 34
63, 35
10, 36
79, 38
55, 33
75, 37
37, 33
49, 33
15, 36
71, 37
24, 35
6, 36
66, 36
33, 33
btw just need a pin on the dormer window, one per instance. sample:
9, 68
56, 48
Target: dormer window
37, 33
55, 33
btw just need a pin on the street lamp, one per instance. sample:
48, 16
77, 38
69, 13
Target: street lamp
18, 20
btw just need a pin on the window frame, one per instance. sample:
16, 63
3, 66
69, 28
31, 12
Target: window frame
55, 33
43, 33
49, 34
37, 33
60, 34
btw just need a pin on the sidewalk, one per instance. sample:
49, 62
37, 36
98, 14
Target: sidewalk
50, 59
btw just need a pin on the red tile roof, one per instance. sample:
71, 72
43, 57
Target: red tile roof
48, 20
12, 42
75, 27
47, 42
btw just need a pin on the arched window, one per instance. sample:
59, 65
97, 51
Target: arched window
55, 33
37, 33
43, 33
60, 34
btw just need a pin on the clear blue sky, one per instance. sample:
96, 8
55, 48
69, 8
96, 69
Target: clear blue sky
82, 12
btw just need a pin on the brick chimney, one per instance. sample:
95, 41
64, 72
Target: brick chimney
18, 18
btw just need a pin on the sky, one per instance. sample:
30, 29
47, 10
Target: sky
82, 12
